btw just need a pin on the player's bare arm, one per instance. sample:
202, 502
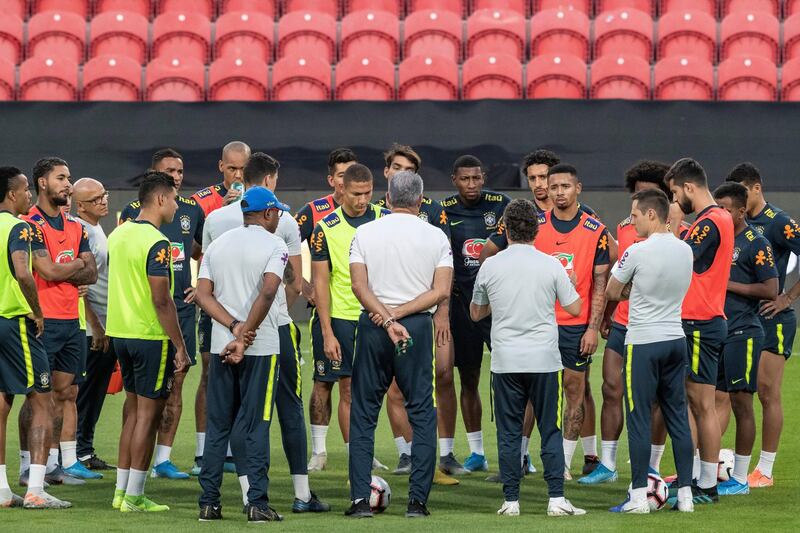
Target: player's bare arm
86, 275
27, 285
765, 290
208, 303
161, 296
479, 312
293, 279
616, 291
441, 323
261, 306
599, 281
50, 271
439, 292
99, 340
489, 249
320, 275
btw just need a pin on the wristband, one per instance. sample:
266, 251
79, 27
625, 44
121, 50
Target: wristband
389, 321
233, 325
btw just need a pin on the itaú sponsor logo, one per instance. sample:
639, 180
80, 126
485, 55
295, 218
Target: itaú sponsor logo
472, 248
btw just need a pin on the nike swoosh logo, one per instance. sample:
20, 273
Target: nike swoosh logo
735, 381
456, 223
560, 243
581, 363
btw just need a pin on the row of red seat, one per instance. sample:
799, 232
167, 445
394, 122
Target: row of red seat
420, 77
189, 35
272, 8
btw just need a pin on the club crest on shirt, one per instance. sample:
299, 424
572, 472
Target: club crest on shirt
490, 219
736, 252
186, 223
44, 379
423, 216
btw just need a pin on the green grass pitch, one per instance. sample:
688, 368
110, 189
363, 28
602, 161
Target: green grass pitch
468, 506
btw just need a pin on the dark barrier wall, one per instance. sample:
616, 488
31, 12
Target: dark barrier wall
114, 141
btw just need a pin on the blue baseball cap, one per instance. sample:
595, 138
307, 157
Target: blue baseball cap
260, 199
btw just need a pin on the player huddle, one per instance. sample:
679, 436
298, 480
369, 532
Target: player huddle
696, 317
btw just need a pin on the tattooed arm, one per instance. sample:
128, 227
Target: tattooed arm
86, 275
599, 279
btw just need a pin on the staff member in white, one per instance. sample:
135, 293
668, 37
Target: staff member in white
239, 278
655, 274
401, 267
519, 287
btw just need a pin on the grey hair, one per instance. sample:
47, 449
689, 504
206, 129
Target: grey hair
405, 189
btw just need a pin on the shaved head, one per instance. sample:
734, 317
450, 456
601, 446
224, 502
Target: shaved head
91, 199
86, 188
235, 146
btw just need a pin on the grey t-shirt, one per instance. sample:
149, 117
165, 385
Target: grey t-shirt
661, 270
522, 285
97, 296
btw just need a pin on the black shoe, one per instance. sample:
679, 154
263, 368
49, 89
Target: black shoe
314, 505
590, 462
258, 515
95, 463
209, 513
245, 508
709, 495
359, 510
416, 509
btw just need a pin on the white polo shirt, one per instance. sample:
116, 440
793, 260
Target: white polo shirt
98, 292
522, 284
236, 263
230, 216
401, 253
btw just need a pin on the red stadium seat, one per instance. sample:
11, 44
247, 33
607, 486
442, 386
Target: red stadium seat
183, 35
57, 34
140, 7
496, 31
752, 78
118, 34
518, 6
556, 76
307, 34
645, 6
243, 34
17, 8
492, 76
48, 78
238, 78
433, 33
626, 32
770, 6
428, 78
365, 78
684, 78
11, 38
706, 6
750, 33
79, 7
395, 7
791, 37
370, 33
198, 7
182, 80
790, 82
7, 83
112, 78
687, 33
562, 32
459, 7
300, 78
626, 77
266, 7
329, 7
584, 6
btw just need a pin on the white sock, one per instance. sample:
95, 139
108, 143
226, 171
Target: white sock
524, 445
765, 462
685, 494
446, 446
136, 480
52, 460
558, 501
318, 436
229, 453
638, 496
245, 484
122, 478
589, 445
347, 448
301, 489
36, 479
608, 454
199, 444
24, 461
3, 478
569, 451
656, 452
475, 440
409, 444
162, 454
741, 464
69, 453
708, 475
696, 465
400, 443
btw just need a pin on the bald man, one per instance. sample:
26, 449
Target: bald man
91, 201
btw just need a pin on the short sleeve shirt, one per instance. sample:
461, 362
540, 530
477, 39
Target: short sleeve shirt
753, 262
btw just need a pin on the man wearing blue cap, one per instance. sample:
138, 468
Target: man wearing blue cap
239, 278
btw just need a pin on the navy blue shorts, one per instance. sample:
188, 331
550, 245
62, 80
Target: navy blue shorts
616, 339
704, 339
204, 332
148, 366
24, 366
65, 344
569, 344
468, 337
187, 318
738, 368
345, 332
779, 332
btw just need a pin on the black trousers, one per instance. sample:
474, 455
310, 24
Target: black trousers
239, 405
92, 395
374, 365
511, 395
289, 401
656, 372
